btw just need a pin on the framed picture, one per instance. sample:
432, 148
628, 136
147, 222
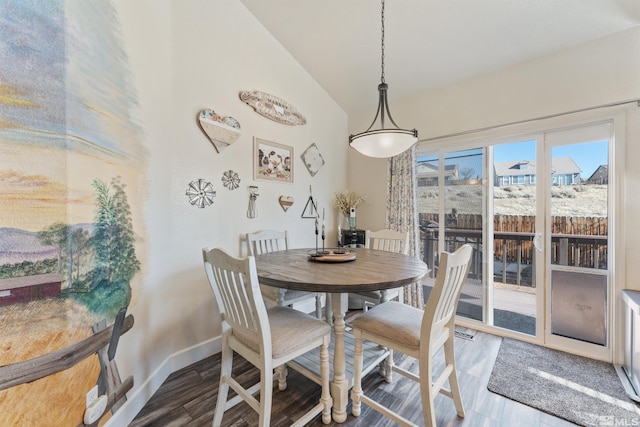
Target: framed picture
312, 159
272, 161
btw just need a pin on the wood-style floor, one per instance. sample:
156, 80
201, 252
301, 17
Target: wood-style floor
188, 396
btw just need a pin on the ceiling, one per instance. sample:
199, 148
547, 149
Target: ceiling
429, 43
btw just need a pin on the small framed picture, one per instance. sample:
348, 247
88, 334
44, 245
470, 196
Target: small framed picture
272, 161
312, 159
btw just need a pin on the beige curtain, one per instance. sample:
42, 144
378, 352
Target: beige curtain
402, 211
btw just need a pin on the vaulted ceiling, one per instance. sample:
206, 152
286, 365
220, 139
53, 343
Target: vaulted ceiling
429, 43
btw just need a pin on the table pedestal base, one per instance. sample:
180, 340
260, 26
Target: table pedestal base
341, 351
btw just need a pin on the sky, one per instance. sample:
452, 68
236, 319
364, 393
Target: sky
67, 104
64, 78
588, 156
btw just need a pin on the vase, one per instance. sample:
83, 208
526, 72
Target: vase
352, 223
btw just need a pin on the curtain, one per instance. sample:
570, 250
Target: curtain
402, 211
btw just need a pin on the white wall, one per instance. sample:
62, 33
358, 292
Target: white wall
601, 72
187, 56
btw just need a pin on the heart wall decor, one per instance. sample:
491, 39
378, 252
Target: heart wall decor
285, 202
221, 131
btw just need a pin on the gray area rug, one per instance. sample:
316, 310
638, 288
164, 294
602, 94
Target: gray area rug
581, 390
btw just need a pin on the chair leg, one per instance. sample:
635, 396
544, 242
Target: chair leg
388, 368
366, 305
266, 395
280, 297
319, 305
450, 360
384, 296
325, 398
327, 309
281, 376
226, 365
356, 392
426, 391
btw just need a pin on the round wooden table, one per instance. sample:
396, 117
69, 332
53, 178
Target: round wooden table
371, 270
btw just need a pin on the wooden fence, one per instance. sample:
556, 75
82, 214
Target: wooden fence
584, 226
576, 241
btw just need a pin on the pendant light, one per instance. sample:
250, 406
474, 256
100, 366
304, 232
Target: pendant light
383, 142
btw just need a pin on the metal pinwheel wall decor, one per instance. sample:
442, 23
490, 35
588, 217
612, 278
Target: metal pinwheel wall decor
200, 193
230, 179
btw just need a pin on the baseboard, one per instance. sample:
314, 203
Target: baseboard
141, 395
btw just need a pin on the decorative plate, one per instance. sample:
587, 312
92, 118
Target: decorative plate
273, 108
200, 193
312, 159
221, 131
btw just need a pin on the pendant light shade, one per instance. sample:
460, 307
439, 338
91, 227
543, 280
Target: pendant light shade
383, 142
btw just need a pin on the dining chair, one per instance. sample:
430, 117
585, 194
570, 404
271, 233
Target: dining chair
267, 338
383, 240
268, 241
419, 334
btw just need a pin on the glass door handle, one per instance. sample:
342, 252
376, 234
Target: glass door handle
537, 242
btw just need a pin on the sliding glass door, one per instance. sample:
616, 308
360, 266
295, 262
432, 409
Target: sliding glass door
451, 204
463, 218
536, 211
577, 238
515, 223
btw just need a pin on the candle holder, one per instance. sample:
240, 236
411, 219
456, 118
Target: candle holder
318, 252
317, 235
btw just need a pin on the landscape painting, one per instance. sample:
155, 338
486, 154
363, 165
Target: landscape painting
72, 160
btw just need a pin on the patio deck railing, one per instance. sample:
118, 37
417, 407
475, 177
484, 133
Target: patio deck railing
514, 260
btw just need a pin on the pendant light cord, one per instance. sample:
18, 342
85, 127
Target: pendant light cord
383, 142
382, 45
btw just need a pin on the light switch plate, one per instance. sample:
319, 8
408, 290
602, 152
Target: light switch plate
92, 395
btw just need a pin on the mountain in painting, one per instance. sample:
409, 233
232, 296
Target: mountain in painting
18, 245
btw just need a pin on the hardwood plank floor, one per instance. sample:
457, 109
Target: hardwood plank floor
187, 397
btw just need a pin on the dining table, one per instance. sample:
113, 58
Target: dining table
358, 270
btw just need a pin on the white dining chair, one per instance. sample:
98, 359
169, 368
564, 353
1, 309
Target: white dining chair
419, 334
383, 240
270, 241
266, 338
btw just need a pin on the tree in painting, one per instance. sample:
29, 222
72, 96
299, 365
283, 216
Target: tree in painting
113, 243
55, 235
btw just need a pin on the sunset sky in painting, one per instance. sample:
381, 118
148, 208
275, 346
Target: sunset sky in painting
66, 103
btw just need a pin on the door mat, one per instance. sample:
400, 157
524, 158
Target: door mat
578, 389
